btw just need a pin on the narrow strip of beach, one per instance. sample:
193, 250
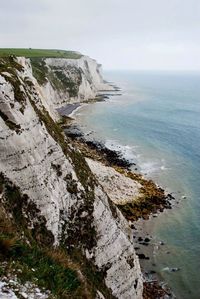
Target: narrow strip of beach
68, 109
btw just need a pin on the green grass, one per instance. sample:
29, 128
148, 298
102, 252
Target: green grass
40, 53
49, 272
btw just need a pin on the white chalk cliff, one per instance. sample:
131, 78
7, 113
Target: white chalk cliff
36, 157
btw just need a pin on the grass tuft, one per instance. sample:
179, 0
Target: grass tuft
51, 270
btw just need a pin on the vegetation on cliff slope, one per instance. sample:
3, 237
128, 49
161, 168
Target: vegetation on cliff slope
67, 80
25, 242
29, 254
26, 249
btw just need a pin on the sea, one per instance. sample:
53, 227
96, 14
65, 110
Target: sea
155, 123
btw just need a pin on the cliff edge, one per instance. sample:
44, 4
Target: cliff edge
55, 215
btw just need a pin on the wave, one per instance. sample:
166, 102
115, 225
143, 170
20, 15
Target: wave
127, 152
150, 167
132, 154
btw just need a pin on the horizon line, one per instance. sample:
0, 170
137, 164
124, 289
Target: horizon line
152, 70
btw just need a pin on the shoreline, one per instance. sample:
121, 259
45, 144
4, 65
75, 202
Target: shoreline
102, 95
154, 199
95, 150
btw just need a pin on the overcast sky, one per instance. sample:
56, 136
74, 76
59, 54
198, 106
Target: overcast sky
120, 34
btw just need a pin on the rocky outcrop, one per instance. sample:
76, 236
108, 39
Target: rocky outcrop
59, 191
121, 189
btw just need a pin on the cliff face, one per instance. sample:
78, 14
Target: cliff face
62, 203
65, 80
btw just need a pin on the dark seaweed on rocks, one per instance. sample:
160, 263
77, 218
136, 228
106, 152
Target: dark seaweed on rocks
114, 158
153, 289
74, 132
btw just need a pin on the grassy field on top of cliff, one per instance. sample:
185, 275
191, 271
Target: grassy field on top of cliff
41, 53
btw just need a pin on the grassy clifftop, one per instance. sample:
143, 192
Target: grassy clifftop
41, 53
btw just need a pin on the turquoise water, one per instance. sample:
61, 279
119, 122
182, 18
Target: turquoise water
156, 123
